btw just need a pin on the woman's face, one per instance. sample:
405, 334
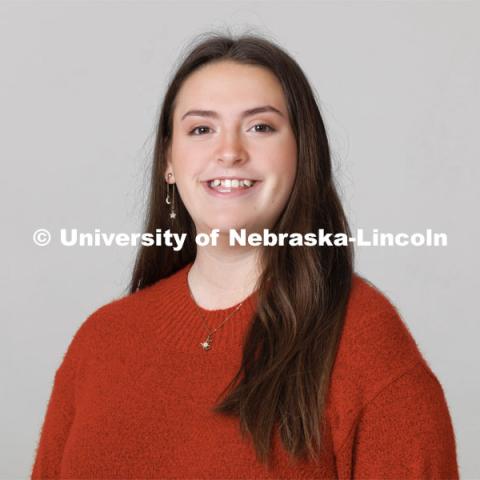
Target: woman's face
214, 136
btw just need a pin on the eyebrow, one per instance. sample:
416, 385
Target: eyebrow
246, 113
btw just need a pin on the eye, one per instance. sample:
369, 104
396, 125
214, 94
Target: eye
269, 128
197, 128
265, 128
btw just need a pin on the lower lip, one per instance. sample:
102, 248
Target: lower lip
234, 193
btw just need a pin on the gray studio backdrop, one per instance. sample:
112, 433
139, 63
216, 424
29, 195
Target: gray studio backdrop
80, 89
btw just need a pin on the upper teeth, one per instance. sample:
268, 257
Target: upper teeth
228, 182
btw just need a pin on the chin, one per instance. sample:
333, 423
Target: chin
224, 227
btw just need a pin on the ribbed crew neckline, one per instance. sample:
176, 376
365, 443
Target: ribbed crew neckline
188, 319
215, 312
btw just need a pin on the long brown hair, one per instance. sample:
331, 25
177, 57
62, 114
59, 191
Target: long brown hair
291, 345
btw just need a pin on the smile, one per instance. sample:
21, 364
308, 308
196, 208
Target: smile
230, 183
231, 188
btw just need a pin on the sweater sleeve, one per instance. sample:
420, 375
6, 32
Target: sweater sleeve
405, 431
58, 419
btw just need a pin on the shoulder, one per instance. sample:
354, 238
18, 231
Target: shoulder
424, 439
376, 347
123, 322
376, 344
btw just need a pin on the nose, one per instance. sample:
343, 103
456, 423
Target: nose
231, 150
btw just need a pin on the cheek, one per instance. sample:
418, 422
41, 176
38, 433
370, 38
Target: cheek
283, 183
187, 160
286, 154
181, 153
285, 162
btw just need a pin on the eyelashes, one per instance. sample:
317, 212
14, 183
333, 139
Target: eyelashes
192, 132
269, 129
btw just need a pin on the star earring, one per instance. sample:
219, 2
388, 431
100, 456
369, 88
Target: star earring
171, 201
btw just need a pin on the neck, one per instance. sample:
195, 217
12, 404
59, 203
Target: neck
220, 278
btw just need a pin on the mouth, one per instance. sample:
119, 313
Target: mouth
230, 188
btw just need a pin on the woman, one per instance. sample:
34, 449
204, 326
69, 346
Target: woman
233, 361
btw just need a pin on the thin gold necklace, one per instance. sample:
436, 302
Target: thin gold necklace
207, 343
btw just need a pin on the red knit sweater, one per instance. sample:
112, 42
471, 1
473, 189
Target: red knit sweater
132, 397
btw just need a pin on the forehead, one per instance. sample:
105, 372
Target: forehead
229, 87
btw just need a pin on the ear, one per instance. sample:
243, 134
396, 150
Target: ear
169, 169
169, 177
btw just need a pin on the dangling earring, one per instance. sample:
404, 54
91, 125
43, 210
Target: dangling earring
172, 201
